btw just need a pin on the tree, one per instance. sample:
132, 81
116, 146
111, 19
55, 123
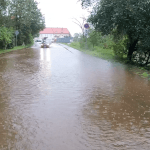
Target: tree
88, 3
3, 6
21, 15
25, 17
129, 18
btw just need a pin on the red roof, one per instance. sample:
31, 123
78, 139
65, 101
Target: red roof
55, 31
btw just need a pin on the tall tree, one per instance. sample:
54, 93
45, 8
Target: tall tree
3, 6
27, 18
129, 18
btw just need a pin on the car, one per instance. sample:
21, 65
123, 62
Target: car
45, 45
38, 41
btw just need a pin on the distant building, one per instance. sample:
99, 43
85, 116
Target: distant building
54, 33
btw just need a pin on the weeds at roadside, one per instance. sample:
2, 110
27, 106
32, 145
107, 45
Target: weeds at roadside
145, 75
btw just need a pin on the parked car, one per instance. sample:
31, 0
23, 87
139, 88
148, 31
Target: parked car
39, 41
45, 45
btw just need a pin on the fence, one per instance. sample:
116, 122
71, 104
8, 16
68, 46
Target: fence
64, 40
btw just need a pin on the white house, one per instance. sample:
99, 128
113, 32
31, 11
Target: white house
53, 33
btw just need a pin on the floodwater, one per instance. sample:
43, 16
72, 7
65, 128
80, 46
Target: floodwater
62, 99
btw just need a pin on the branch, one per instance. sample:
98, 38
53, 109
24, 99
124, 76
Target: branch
78, 24
77, 21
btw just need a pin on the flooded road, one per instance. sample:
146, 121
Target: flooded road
62, 99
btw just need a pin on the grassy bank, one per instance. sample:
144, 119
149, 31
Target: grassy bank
108, 54
100, 52
13, 49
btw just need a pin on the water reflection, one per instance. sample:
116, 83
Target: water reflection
45, 54
42, 53
48, 55
45, 64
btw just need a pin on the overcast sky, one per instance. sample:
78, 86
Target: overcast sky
59, 13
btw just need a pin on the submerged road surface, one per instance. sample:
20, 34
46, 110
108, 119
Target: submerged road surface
63, 99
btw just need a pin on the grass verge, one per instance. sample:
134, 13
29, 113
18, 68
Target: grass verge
13, 49
100, 52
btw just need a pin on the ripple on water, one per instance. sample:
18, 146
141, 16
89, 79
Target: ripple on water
71, 101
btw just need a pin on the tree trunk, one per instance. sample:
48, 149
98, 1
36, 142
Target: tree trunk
132, 48
130, 52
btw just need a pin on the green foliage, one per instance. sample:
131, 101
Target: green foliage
24, 16
12, 49
107, 41
128, 18
145, 74
29, 39
3, 6
94, 37
87, 3
97, 51
96, 41
82, 42
119, 44
6, 35
75, 45
119, 48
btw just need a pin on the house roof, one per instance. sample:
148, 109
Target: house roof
55, 31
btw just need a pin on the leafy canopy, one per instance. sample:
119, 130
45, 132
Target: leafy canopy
24, 16
129, 18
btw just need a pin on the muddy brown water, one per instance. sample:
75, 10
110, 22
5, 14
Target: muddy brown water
63, 99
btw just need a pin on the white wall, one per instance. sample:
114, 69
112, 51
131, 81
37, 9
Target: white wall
50, 36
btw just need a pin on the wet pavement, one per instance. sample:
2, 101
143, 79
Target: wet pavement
62, 99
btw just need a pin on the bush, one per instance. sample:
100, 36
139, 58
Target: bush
119, 43
6, 36
119, 49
